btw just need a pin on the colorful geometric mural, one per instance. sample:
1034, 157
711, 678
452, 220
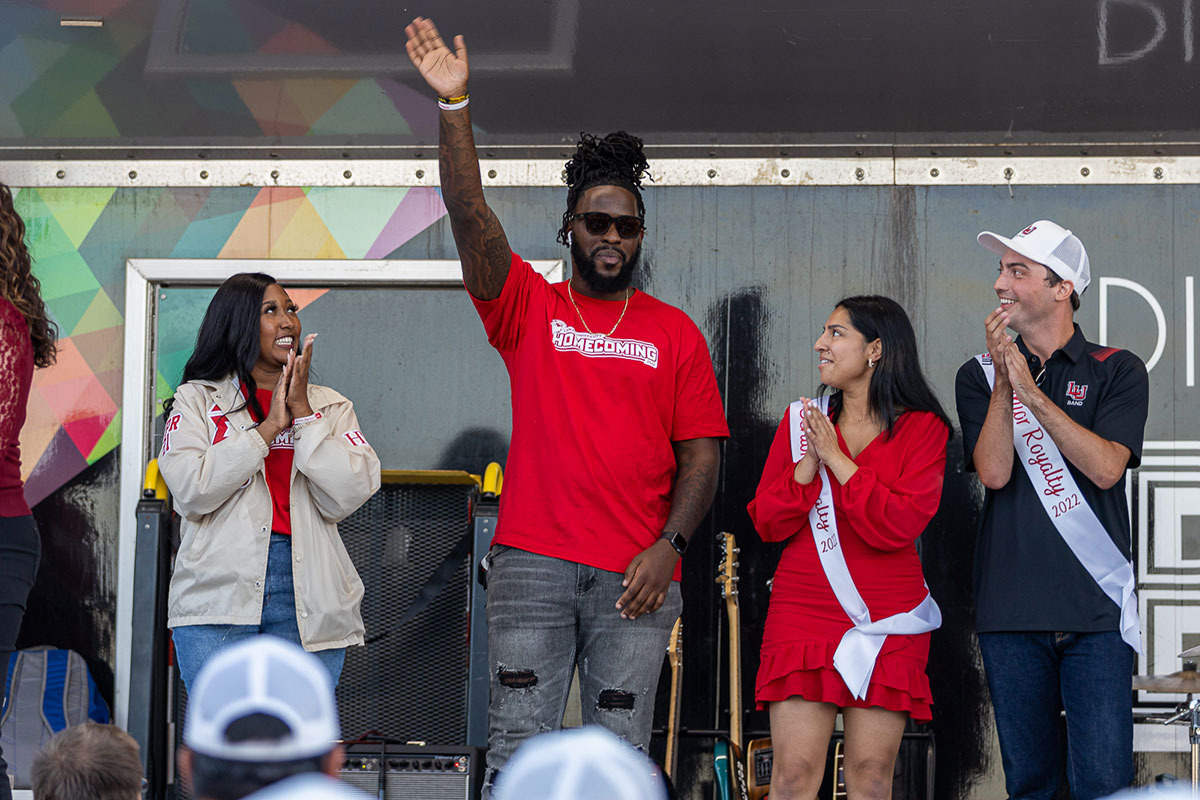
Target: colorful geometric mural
80, 240
91, 83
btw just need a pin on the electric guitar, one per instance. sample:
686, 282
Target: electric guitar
727, 754
759, 760
839, 774
675, 657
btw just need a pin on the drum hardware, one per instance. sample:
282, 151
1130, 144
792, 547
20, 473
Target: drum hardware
1186, 681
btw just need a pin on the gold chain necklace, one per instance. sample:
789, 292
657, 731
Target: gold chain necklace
628, 294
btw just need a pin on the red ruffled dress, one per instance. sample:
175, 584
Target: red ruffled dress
881, 511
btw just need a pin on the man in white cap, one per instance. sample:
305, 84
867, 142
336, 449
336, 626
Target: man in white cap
1051, 422
262, 717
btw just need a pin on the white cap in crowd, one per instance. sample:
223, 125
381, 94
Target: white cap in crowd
1048, 244
269, 676
579, 764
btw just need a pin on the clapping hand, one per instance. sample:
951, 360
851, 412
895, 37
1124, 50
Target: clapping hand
297, 391
806, 467
445, 71
278, 415
822, 436
998, 341
1017, 368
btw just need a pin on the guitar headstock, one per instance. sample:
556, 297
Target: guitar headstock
675, 645
727, 574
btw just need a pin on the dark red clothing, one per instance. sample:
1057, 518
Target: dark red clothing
881, 511
279, 469
16, 376
591, 468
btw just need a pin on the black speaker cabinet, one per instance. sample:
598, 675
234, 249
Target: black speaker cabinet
411, 772
410, 681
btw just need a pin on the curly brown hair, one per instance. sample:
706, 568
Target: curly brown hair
18, 284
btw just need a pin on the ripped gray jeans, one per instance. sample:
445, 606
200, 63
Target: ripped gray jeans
544, 615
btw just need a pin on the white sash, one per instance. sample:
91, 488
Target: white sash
855, 656
1070, 513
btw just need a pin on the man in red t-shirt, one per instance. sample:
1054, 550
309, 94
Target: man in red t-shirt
615, 445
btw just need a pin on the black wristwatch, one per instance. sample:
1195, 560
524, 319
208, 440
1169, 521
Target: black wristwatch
676, 539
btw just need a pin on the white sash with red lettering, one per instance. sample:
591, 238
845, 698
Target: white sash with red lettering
1068, 510
855, 656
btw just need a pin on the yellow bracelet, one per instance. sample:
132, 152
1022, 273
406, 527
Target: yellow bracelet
452, 100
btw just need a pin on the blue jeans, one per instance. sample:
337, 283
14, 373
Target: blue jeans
546, 615
195, 644
1032, 677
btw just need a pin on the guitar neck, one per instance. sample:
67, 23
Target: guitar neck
735, 674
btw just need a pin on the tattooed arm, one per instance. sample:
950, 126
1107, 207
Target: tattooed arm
482, 246
648, 576
698, 462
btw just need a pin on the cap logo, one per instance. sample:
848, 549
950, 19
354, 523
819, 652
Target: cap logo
1028, 230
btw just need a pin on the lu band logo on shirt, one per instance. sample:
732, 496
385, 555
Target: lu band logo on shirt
1076, 392
597, 345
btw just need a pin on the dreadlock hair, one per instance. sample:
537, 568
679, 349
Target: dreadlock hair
18, 284
616, 160
227, 343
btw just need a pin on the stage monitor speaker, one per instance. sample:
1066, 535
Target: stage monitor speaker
412, 772
410, 681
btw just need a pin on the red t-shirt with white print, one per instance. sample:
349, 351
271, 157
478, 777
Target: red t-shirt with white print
590, 468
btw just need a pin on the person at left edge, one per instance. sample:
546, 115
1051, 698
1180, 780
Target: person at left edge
27, 340
262, 466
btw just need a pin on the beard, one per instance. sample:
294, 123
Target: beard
585, 265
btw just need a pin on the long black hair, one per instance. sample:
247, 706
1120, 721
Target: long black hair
228, 341
616, 160
897, 383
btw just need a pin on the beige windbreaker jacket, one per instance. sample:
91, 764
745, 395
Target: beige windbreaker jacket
214, 464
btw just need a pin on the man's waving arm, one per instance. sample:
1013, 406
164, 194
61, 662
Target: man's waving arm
482, 246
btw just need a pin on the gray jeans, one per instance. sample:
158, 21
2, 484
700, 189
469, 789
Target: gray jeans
546, 615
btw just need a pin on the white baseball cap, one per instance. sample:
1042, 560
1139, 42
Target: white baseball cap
579, 764
1048, 244
269, 676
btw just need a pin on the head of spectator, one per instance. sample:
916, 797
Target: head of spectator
580, 764
88, 762
261, 711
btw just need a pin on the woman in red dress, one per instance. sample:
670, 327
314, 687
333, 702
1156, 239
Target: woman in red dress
869, 473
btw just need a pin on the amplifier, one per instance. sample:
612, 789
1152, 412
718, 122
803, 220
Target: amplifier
414, 772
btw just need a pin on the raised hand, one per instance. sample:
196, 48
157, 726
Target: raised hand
445, 71
297, 392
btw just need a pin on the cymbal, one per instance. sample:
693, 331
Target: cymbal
1185, 682
1191, 651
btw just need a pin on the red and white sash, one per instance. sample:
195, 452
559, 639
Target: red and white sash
1067, 508
855, 656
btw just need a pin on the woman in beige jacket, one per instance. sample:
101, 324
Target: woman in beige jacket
262, 466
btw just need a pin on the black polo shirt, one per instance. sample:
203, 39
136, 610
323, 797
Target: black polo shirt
1026, 577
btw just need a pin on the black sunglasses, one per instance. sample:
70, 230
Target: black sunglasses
598, 223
